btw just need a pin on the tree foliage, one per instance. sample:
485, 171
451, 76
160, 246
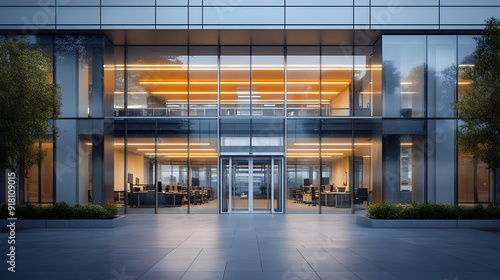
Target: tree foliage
29, 101
479, 109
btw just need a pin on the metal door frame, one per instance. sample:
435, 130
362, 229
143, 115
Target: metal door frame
250, 185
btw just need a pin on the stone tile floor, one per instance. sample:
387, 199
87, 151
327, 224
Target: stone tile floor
255, 246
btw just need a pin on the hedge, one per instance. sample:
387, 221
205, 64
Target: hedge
432, 211
61, 210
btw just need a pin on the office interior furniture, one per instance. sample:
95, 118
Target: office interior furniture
361, 195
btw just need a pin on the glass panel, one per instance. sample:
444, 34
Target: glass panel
268, 81
225, 184
441, 161
203, 81
403, 77
377, 78
240, 185
403, 161
261, 184
141, 166
157, 81
85, 169
172, 157
31, 183
79, 61
47, 172
466, 49
120, 181
303, 166
473, 181
303, 81
119, 70
363, 86
441, 75
203, 165
67, 153
337, 166
278, 185
235, 81
267, 135
368, 163
235, 135
336, 81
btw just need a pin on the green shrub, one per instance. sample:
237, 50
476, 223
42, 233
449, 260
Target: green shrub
432, 211
384, 211
112, 209
61, 210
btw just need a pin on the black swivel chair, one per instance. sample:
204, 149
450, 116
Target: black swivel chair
361, 195
314, 198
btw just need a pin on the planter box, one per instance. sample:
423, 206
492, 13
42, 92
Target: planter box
386, 223
111, 223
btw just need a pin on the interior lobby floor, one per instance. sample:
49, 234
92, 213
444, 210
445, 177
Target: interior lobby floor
259, 246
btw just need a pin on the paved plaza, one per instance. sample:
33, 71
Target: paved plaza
255, 246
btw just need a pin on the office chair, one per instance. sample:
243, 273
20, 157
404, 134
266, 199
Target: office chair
361, 195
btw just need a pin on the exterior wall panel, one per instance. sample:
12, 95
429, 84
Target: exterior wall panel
323, 15
78, 3
172, 15
405, 15
129, 15
80, 15
27, 15
242, 15
468, 15
246, 14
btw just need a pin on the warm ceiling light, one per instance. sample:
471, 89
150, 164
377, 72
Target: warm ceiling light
465, 83
131, 92
466, 65
307, 93
336, 83
167, 150
406, 83
162, 83
406, 144
241, 82
332, 144
163, 144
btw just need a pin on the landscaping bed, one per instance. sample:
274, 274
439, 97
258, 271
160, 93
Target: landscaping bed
63, 215
430, 216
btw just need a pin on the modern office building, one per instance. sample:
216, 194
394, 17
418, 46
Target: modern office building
276, 106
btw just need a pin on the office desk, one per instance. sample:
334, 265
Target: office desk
148, 198
336, 199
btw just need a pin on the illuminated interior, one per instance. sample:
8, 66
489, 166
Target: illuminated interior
175, 81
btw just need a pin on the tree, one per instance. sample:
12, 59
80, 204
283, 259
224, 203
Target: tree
29, 102
479, 109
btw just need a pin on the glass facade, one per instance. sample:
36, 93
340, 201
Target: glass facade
258, 128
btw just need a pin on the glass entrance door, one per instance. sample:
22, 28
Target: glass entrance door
251, 185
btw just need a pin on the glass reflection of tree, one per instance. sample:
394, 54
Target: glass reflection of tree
412, 93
